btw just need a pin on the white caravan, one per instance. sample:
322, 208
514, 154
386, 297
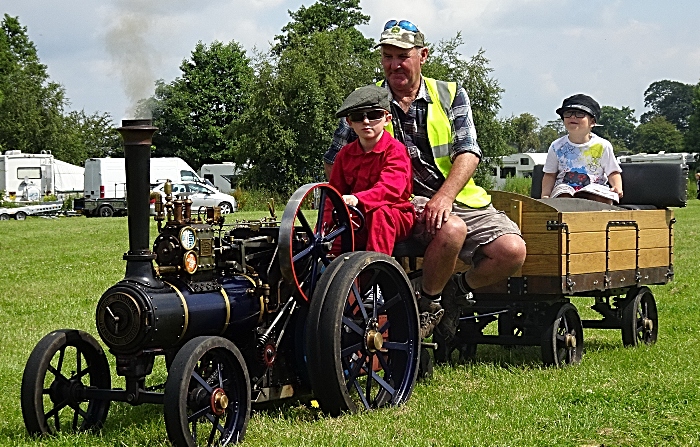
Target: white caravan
222, 175
516, 165
661, 157
28, 177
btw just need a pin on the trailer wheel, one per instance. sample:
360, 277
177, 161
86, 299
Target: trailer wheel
207, 394
640, 319
20, 215
306, 249
562, 340
61, 366
4, 216
105, 211
364, 351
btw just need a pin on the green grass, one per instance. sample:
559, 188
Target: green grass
54, 271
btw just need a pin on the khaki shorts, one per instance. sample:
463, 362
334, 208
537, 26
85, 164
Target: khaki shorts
484, 225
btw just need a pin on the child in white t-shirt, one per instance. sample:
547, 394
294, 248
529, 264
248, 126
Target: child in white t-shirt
581, 164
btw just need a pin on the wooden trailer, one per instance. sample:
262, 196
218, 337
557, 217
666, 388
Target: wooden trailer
576, 248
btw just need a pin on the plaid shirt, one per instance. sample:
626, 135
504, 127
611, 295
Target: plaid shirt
411, 129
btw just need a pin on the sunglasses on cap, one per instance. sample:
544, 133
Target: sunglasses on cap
403, 24
370, 115
576, 113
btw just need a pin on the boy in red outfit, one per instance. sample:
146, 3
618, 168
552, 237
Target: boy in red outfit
374, 173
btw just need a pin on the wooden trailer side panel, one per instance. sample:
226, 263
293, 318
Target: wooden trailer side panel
598, 241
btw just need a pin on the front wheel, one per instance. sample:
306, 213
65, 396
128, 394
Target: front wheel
640, 319
562, 340
364, 350
4, 216
20, 215
61, 366
207, 394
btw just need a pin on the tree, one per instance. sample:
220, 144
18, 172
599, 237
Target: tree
324, 15
671, 99
692, 136
32, 106
194, 111
285, 131
617, 126
446, 63
524, 132
87, 136
657, 135
550, 132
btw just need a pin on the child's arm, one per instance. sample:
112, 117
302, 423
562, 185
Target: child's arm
548, 184
615, 180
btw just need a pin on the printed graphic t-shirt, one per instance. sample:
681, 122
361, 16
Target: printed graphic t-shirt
581, 164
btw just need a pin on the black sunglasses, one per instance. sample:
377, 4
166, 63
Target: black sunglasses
403, 24
576, 113
370, 115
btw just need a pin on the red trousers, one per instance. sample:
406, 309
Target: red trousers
384, 226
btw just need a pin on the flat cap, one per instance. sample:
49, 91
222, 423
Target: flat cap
581, 102
365, 98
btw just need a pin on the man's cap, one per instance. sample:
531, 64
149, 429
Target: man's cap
401, 38
365, 98
581, 102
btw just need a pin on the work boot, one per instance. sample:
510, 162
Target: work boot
431, 313
428, 321
454, 299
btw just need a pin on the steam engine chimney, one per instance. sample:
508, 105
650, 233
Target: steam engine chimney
137, 135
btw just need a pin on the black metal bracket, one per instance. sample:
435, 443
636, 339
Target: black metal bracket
553, 225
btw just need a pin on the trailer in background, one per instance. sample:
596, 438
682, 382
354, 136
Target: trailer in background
21, 212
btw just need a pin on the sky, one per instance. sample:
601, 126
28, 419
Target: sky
108, 54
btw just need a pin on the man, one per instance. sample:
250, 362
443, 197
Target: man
454, 216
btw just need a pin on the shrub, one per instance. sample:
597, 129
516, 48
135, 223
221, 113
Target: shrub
519, 185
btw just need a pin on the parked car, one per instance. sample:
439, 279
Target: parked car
201, 195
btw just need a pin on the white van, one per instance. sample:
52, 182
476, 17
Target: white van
105, 178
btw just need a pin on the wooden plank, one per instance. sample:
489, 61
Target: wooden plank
501, 201
581, 263
593, 221
622, 238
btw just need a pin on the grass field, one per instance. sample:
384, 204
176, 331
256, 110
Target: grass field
54, 271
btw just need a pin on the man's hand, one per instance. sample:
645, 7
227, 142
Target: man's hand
437, 211
350, 200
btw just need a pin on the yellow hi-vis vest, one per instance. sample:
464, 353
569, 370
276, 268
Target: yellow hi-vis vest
440, 138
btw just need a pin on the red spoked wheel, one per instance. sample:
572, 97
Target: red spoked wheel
307, 247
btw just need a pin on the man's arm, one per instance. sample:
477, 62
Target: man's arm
465, 154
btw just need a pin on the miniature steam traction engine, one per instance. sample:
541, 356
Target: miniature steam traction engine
244, 313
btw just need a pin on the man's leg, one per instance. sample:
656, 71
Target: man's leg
499, 259
441, 255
